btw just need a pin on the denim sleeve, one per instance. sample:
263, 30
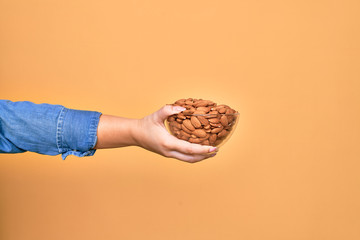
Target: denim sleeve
47, 129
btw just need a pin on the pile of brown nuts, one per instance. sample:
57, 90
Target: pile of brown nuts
203, 122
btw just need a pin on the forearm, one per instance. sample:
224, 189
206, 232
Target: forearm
47, 129
116, 132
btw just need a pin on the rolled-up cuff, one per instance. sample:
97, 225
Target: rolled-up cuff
77, 132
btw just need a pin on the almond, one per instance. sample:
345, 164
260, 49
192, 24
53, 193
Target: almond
200, 133
223, 133
185, 129
230, 111
201, 103
182, 132
183, 137
189, 102
171, 118
180, 102
175, 125
188, 125
214, 120
224, 120
217, 130
212, 138
211, 103
205, 142
222, 110
230, 118
181, 116
187, 112
203, 120
195, 122
194, 140
205, 109
199, 112
216, 125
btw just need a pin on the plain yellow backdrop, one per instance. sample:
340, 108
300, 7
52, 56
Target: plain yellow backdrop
291, 170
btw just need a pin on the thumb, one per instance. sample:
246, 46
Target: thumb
166, 111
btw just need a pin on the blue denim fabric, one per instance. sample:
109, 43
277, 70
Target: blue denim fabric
47, 129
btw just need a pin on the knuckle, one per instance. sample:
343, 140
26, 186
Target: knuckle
190, 150
165, 145
166, 154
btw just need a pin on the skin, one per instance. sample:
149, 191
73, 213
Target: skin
149, 133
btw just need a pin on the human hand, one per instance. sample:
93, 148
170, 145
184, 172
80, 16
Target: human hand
152, 135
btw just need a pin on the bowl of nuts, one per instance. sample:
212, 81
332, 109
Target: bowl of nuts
203, 122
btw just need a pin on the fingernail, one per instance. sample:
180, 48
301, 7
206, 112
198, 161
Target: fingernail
213, 155
178, 108
212, 149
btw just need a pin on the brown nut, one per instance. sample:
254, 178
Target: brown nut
224, 120
183, 137
230, 118
175, 125
194, 140
188, 125
171, 118
199, 133
222, 110
223, 133
212, 114
212, 138
180, 102
182, 132
205, 109
230, 111
203, 120
216, 125
189, 102
214, 120
205, 142
207, 127
217, 130
195, 122
198, 112
185, 129
181, 116
188, 112
201, 103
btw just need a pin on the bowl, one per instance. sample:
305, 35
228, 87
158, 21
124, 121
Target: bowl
205, 129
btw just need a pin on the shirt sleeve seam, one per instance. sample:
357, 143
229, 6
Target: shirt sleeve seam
59, 129
93, 129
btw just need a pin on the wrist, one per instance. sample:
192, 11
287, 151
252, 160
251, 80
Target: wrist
117, 132
135, 132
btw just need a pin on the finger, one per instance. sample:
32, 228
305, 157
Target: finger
190, 148
190, 158
166, 111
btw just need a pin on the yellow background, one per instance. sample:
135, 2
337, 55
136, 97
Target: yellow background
291, 68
